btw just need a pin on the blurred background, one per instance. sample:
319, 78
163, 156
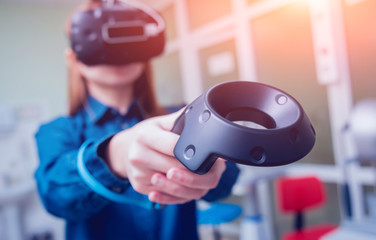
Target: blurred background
322, 52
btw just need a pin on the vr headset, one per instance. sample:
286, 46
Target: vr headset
117, 33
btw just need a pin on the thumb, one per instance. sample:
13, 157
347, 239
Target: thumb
166, 122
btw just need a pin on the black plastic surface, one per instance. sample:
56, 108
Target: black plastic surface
88, 42
208, 129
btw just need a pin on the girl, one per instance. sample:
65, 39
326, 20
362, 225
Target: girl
130, 154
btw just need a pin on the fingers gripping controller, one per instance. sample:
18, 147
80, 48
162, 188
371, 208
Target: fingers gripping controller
209, 128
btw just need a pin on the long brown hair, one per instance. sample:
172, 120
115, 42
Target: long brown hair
143, 87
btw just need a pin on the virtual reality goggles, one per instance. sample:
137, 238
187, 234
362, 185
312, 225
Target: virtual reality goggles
117, 34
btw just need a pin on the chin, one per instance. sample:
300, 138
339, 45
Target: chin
122, 82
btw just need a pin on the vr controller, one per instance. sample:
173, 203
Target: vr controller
209, 127
117, 34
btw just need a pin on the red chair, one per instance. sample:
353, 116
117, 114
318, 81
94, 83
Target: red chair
296, 195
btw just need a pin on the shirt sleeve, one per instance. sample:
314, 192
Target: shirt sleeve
60, 186
225, 184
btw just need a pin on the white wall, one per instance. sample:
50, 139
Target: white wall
32, 70
32, 65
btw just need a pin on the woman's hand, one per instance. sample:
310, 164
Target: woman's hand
180, 185
139, 152
144, 155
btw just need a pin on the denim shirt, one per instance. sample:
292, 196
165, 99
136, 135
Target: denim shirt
89, 215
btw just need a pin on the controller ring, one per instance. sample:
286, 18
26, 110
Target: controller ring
208, 127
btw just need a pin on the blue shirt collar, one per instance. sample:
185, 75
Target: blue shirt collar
97, 111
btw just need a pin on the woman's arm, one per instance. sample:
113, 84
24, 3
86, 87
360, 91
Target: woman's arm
152, 169
140, 157
60, 186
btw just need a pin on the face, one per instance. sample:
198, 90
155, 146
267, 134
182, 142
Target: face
112, 75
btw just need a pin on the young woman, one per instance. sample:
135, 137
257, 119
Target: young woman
130, 154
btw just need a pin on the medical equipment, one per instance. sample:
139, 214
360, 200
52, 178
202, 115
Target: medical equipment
362, 126
117, 33
209, 127
363, 131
